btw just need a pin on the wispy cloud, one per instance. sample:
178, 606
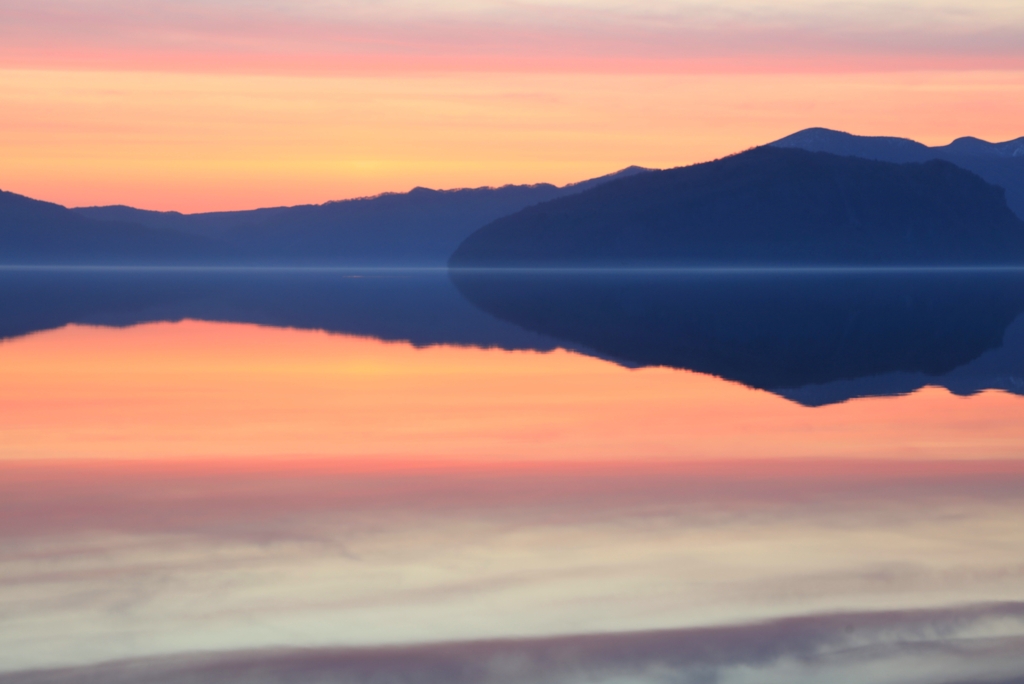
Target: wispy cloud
601, 35
973, 644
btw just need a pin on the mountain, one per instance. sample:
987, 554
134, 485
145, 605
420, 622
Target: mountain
1000, 164
767, 206
418, 228
34, 232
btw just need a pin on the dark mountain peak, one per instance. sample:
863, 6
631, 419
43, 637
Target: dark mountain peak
11, 201
1001, 164
978, 147
882, 148
123, 212
594, 182
826, 139
840, 142
419, 190
29, 226
969, 143
37, 232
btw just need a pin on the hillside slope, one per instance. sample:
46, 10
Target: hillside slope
766, 206
1001, 164
35, 232
418, 228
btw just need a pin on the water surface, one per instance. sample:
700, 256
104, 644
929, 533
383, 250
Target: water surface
320, 477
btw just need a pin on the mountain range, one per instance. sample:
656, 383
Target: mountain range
418, 228
425, 227
34, 232
1001, 164
768, 206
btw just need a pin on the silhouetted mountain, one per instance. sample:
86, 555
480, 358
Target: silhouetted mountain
1000, 164
421, 227
814, 337
43, 233
765, 206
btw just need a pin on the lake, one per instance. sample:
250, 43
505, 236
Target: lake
244, 475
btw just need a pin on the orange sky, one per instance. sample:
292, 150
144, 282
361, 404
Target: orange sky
228, 105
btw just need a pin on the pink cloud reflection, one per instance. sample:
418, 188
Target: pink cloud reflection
229, 497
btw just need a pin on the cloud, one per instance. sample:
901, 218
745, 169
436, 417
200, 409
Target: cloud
983, 643
403, 35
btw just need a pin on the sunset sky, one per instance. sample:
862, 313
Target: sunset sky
224, 104
218, 468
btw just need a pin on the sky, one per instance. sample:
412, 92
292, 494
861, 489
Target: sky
174, 490
225, 104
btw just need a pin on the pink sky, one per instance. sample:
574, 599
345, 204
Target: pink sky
307, 37
228, 104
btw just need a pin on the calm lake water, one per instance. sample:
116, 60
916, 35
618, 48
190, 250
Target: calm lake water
238, 476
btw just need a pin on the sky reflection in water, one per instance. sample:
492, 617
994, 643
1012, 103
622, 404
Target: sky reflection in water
204, 497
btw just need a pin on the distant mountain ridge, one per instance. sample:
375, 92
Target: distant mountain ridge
904, 149
219, 223
769, 206
1001, 164
425, 227
418, 228
38, 232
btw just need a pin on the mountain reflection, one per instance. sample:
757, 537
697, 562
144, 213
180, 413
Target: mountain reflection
813, 337
816, 337
417, 306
